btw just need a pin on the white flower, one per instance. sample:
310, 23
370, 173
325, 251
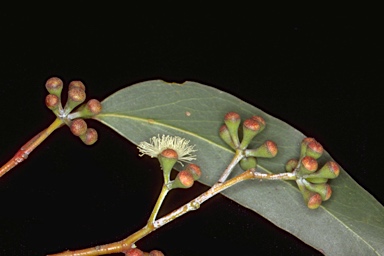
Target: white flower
157, 145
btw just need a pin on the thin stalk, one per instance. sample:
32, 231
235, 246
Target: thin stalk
160, 199
235, 160
28, 147
126, 244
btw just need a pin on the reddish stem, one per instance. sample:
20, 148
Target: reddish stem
28, 147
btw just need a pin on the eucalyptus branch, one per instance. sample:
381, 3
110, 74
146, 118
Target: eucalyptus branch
76, 96
28, 147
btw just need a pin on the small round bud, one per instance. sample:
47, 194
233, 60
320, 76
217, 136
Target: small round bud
291, 165
232, 117
156, 253
323, 189
247, 163
267, 150
225, 136
52, 101
329, 171
260, 120
304, 144
90, 136
76, 96
78, 127
76, 84
250, 129
134, 252
314, 149
94, 106
194, 170
54, 86
314, 201
308, 165
184, 179
232, 121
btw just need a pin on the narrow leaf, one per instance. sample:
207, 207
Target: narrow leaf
350, 223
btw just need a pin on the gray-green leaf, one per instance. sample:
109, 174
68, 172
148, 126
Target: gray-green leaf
350, 223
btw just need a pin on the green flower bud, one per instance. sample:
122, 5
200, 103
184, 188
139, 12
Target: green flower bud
308, 165
261, 122
312, 199
225, 136
194, 170
76, 96
167, 158
54, 86
291, 165
323, 189
314, 149
267, 150
89, 137
78, 127
232, 121
250, 129
329, 171
304, 144
247, 163
184, 179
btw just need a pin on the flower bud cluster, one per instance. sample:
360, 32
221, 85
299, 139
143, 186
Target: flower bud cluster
76, 96
230, 133
312, 181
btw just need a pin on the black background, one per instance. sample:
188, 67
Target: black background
319, 73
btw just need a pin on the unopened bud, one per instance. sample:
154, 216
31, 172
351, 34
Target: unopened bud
76, 84
260, 120
184, 179
291, 165
54, 86
329, 171
247, 163
232, 121
76, 96
52, 101
308, 165
194, 170
323, 189
267, 150
225, 136
314, 149
304, 144
90, 136
314, 201
78, 127
250, 129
